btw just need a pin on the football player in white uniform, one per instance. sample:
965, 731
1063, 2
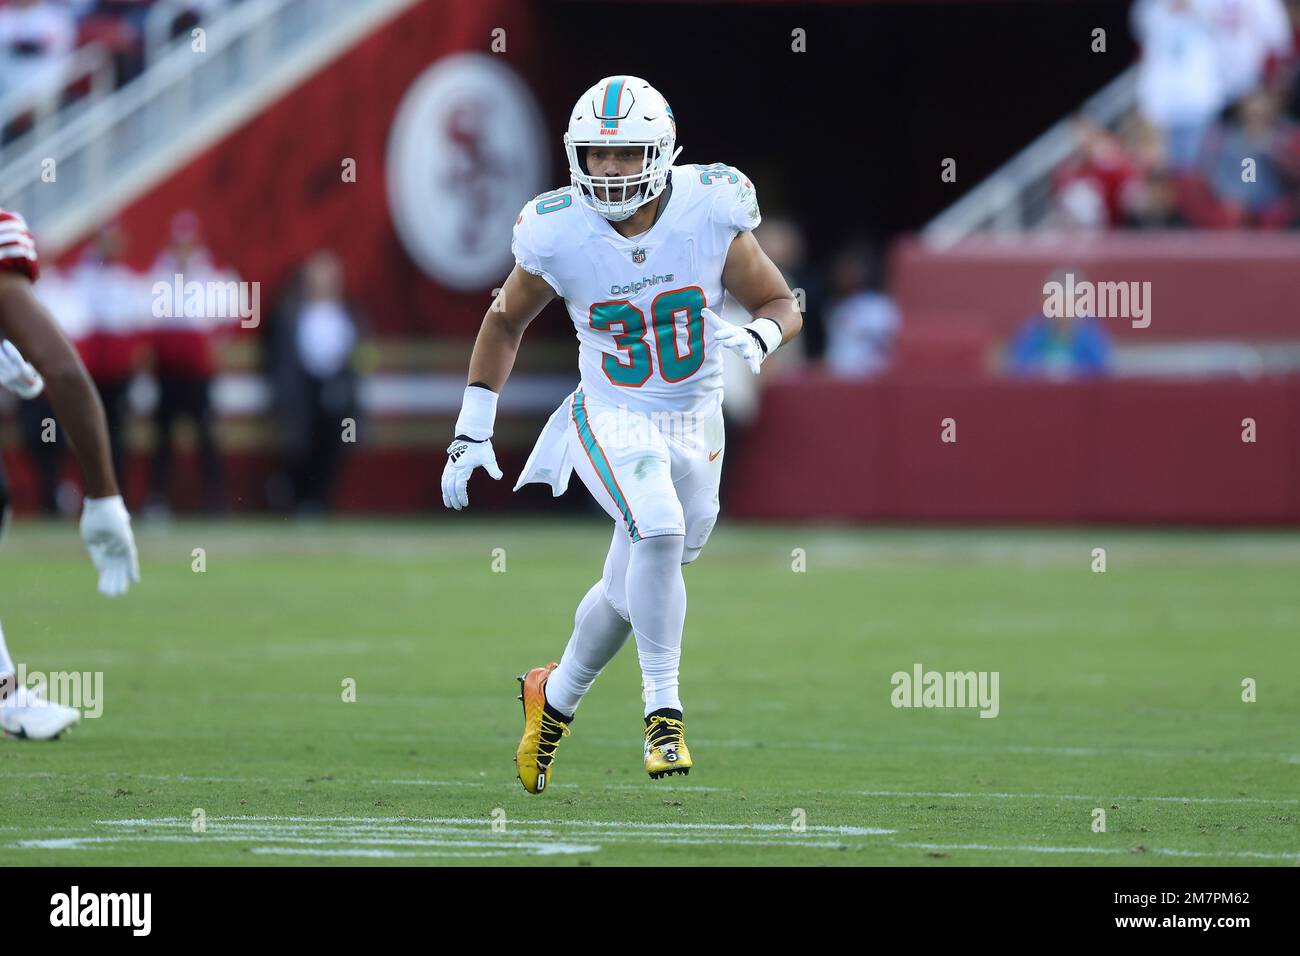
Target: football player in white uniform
641, 251
35, 356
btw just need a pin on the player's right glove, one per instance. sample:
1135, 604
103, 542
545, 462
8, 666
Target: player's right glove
463, 456
106, 529
472, 447
17, 374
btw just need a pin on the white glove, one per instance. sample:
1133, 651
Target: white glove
463, 456
106, 529
753, 342
17, 374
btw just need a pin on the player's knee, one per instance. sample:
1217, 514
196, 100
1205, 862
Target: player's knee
667, 547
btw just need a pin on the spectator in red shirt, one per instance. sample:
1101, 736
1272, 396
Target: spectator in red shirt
184, 364
1093, 187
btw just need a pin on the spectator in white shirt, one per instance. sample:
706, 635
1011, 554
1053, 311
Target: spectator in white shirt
861, 323
1180, 89
1246, 33
36, 38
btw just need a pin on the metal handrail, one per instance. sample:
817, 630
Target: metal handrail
1014, 196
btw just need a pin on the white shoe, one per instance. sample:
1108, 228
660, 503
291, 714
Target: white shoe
31, 717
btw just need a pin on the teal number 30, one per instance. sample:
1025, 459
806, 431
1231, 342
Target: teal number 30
633, 368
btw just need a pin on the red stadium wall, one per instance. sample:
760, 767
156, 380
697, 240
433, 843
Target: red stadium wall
1118, 451
1129, 450
1203, 285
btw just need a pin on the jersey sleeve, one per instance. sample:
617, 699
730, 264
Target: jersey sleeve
735, 205
17, 247
533, 243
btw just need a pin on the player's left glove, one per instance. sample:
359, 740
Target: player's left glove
17, 374
106, 529
753, 342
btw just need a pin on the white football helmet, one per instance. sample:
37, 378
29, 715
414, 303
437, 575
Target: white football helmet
622, 111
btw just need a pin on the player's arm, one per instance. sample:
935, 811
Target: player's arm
757, 284
522, 297
105, 524
26, 323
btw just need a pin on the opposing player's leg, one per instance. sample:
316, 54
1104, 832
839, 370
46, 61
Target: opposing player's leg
25, 713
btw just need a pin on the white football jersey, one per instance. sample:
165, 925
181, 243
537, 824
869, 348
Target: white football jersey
636, 303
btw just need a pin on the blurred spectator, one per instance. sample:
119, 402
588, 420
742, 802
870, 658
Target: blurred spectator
1179, 89
783, 241
1093, 188
190, 13
119, 305
184, 364
1247, 34
36, 37
1155, 203
862, 323
313, 343
1060, 348
1255, 132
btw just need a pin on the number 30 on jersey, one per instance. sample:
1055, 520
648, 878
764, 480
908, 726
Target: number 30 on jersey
634, 367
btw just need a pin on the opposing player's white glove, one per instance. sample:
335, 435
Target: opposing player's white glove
106, 529
753, 342
463, 456
17, 374
472, 447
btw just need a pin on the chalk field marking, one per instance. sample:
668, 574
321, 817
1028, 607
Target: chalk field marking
1134, 798
385, 837
483, 822
648, 785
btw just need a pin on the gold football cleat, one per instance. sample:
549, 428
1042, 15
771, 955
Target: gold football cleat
665, 747
542, 731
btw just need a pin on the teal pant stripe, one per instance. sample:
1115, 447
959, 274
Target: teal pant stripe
601, 463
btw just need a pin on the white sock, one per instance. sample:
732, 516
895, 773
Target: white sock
656, 602
6, 662
7, 674
598, 634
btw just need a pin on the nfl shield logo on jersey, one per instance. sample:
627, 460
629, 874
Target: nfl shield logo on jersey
638, 255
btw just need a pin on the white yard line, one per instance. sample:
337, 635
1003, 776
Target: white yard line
399, 837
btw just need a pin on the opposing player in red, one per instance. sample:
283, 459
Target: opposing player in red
34, 357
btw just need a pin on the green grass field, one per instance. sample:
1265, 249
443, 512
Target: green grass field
223, 693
